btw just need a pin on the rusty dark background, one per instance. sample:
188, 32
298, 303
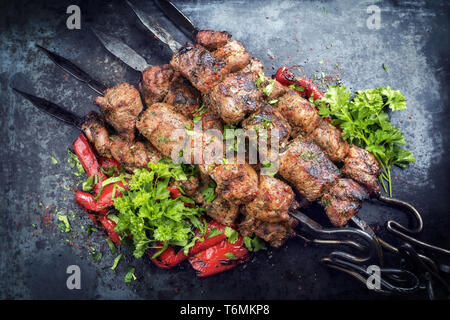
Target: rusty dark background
413, 43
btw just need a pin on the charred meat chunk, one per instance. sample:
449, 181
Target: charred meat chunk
158, 124
361, 166
212, 39
235, 97
133, 155
268, 119
183, 96
275, 234
96, 133
199, 66
272, 201
236, 182
329, 139
156, 82
308, 169
300, 113
343, 200
222, 211
234, 54
121, 106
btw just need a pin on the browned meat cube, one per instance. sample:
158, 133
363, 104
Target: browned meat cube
268, 119
121, 106
222, 211
254, 66
155, 84
361, 166
272, 202
329, 139
234, 54
199, 66
157, 124
212, 39
133, 155
189, 186
301, 114
308, 169
183, 96
237, 183
235, 97
95, 131
275, 234
343, 200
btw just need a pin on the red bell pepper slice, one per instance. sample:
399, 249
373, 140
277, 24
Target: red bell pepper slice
109, 226
174, 192
87, 201
169, 258
217, 259
88, 160
105, 200
287, 78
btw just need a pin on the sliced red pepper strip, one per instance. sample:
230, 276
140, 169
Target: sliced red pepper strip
109, 226
287, 78
174, 192
92, 216
214, 259
171, 258
87, 201
88, 160
105, 200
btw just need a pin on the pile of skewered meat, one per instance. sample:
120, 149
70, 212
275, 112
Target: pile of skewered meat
217, 80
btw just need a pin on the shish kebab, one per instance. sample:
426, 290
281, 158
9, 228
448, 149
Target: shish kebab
101, 133
225, 36
217, 207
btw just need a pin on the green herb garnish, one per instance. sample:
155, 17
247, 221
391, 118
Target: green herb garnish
209, 192
254, 244
116, 261
365, 123
130, 275
214, 232
230, 256
64, 225
231, 234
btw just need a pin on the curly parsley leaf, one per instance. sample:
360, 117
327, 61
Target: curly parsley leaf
231, 234
149, 215
365, 123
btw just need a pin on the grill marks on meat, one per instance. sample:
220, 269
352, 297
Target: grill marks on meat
343, 200
237, 183
222, 211
234, 55
121, 105
199, 66
268, 119
158, 123
235, 97
132, 154
212, 39
329, 139
275, 234
300, 113
361, 166
95, 131
305, 166
156, 82
182, 96
272, 202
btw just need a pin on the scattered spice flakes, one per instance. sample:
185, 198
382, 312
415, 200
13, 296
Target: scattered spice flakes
267, 18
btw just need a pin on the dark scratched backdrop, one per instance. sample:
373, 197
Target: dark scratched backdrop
320, 36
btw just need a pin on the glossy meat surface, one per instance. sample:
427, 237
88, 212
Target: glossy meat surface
234, 54
212, 39
272, 202
275, 234
343, 200
307, 168
222, 211
121, 105
159, 122
236, 97
329, 139
199, 66
155, 84
361, 166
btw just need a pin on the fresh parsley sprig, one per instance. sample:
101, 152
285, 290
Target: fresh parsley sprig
365, 123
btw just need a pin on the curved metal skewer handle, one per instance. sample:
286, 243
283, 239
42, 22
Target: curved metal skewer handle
332, 235
404, 232
390, 280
